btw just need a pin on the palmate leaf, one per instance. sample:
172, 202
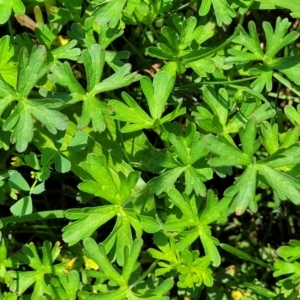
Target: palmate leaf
87, 220
213, 119
115, 188
123, 287
157, 94
200, 222
30, 69
194, 270
41, 268
93, 109
65, 287
188, 156
276, 39
108, 181
288, 266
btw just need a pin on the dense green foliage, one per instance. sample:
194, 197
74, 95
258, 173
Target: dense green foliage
147, 149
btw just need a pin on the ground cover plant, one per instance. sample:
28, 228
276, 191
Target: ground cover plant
149, 149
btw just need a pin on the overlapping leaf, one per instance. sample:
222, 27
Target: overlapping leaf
157, 94
126, 281
93, 109
31, 69
200, 221
276, 39
186, 158
41, 268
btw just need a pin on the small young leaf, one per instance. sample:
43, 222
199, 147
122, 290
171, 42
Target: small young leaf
38, 188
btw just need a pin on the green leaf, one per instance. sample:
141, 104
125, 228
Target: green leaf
224, 13
79, 142
31, 69
6, 6
130, 113
285, 186
66, 286
38, 188
158, 92
62, 163
186, 34
244, 191
115, 188
270, 137
29, 256
32, 161
245, 256
218, 103
130, 262
93, 59
177, 199
260, 290
229, 154
110, 13
247, 136
167, 179
8, 68
22, 207
290, 253
53, 120
89, 221
97, 253
250, 42
74, 8
22, 133
16, 181
278, 39
194, 181
275, 4
121, 78
67, 51
149, 224
293, 114
62, 74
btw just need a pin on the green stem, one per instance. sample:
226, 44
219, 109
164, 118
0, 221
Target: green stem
284, 97
189, 86
142, 28
154, 31
11, 30
42, 215
146, 273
